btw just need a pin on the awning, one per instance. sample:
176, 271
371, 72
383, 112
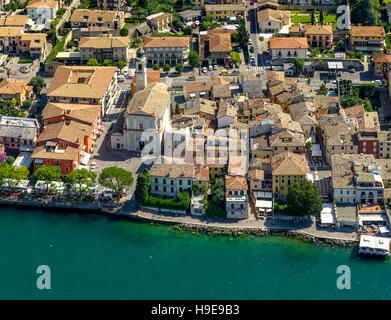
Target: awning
85, 158
327, 218
383, 229
192, 95
263, 204
335, 65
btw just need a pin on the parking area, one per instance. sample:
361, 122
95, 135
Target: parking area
21, 71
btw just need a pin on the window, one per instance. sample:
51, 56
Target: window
156, 180
156, 188
141, 126
180, 182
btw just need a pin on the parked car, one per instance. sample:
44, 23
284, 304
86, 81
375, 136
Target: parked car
378, 82
215, 67
197, 23
237, 65
235, 72
204, 69
121, 78
210, 67
191, 77
253, 63
250, 42
239, 49
352, 70
252, 49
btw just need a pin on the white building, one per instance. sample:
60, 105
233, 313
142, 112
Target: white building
288, 48
251, 82
236, 199
42, 11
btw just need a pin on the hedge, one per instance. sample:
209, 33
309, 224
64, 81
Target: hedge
25, 61
182, 202
56, 49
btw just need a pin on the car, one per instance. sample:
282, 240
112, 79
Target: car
204, 69
253, 63
215, 67
252, 49
239, 49
235, 72
334, 81
197, 23
121, 78
226, 65
93, 164
352, 70
191, 78
173, 30
378, 82
210, 67
250, 42
237, 65
252, 57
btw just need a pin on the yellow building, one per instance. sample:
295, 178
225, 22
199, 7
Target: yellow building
287, 168
222, 11
382, 63
367, 38
15, 89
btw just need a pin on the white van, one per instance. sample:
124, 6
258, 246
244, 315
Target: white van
121, 78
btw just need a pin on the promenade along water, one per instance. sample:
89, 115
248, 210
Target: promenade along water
99, 257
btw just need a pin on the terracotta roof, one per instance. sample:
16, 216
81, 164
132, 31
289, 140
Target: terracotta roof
152, 100
70, 153
201, 173
166, 42
198, 86
104, 42
37, 40
224, 7
289, 164
288, 43
317, 30
92, 16
81, 81
256, 174
175, 170
220, 42
70, 131
382, 58
353, 112
367, 31
84, 112
14, 86
202, 105
158, 16
36, 4
235, 183
15, 20
274, 15
152, 77
10, 31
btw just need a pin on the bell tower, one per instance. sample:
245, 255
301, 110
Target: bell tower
141, 70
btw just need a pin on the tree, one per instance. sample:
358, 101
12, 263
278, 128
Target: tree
323, 90
177, 111
116, 179
308, 145
142, 187
16, 174
124, 32
313, 18
308, 81
321, 18
187, 31
243, 36
156, 66
92, 62
194, 58
48, 174
27, 104
107, 62
38, 83
179, 67
303, 198
363, 12
10, 160
166, 68
299, 64
83, 178
340, 46
121, 64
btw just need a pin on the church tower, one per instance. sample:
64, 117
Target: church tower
141, 70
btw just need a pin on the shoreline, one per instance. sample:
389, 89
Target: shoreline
213, 228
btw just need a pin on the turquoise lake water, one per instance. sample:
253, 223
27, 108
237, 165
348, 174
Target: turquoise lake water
99, 257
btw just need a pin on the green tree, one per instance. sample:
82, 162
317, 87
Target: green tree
177, 111
124, 32
308, 145
187, 31
166, 68
38, 83
243, 36
107, 62
142, 187
321, 18
363, 12
323, 90
303, 198
308, 81
121, 64
116, 179
194, 58
299, 64
92, 62
27, 104
156, 66
48, 174
340, 46
82, 178
313, 17
179, 67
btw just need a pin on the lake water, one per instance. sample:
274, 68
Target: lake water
99, 257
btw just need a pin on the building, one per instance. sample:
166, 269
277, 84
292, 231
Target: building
251, 82
287, 168
236, 199
84, 85
85, 18
272, 21
384, 144
367, 38
215, 47
368, 142
170, 179
113, 5
14, 20
42, 11
288, 48
224, 11
318, 35
18, 134
15, 40
198, 89
104, 47
19, 90
205, 109
382, 63
147, 117
65, 144
166, 50
226, 115
160, 22
356, 178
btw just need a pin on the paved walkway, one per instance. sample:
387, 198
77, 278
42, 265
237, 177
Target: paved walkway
306, 228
